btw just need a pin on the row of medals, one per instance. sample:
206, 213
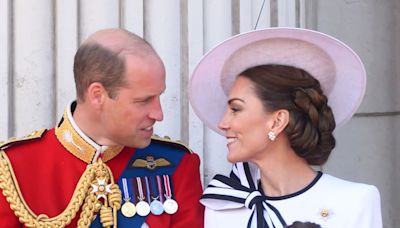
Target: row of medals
143, 208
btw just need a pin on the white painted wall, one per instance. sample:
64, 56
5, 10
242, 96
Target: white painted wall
38, 40
368, 147
5, 55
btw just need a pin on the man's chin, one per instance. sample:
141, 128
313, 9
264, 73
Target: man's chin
141, 143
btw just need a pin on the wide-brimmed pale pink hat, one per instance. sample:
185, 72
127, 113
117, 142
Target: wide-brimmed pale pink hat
338, 68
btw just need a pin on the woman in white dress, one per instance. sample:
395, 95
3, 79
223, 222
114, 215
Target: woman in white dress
277, 95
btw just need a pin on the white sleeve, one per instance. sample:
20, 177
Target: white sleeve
210, 219
369, 215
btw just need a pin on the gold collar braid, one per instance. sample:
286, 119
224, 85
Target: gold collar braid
96, 182
79, 144
90, 188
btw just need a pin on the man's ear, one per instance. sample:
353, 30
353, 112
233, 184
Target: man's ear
96, 93
280, 120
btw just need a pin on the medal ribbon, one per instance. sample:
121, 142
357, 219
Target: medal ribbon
134, 189
140, 188
159, 185
153, 188
147, 189
167, 186
125, 189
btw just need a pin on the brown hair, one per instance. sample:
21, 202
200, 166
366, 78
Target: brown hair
311, 120
298, 224
94, 63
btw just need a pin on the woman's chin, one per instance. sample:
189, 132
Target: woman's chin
232, 158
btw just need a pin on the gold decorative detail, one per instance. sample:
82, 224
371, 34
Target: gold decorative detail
150, 163
34, 135
325, 213
84, 198
67, 136
167, 139
78, 146
106, 216
101, 189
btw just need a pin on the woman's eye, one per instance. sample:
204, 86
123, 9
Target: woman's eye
234, 109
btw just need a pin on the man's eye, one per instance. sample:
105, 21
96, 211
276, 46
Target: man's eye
146, 100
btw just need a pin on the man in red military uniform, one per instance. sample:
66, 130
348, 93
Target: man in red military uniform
100, 166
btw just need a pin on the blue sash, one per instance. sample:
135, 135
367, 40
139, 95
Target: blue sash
158, 149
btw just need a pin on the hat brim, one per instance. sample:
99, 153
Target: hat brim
338, 68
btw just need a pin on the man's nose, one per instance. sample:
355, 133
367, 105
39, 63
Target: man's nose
156, 112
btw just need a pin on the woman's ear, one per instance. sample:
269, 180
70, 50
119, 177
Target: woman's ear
96, 93
280, 120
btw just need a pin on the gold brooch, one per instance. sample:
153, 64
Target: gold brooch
151, 163
325, 213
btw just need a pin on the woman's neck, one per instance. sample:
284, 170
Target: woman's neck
284, 172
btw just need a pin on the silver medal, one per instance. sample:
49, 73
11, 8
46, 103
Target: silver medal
142, 208
170, 206
156, 207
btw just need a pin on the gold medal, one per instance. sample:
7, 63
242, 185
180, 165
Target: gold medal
128, 209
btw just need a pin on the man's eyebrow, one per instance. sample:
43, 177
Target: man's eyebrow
148, 96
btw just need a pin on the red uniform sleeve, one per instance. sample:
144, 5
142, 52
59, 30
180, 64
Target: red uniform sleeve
7, 217
188, 190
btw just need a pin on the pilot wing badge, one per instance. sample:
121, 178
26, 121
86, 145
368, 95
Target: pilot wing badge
151, 163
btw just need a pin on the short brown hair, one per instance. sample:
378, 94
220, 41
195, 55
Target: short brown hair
94, 63
311, 120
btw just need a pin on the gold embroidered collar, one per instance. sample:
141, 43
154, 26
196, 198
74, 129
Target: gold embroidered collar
79, 144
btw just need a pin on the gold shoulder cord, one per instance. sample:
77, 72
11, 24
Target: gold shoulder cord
91, 187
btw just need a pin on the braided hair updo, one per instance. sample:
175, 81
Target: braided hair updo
311, 120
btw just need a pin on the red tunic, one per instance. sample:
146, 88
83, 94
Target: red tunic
47, 175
